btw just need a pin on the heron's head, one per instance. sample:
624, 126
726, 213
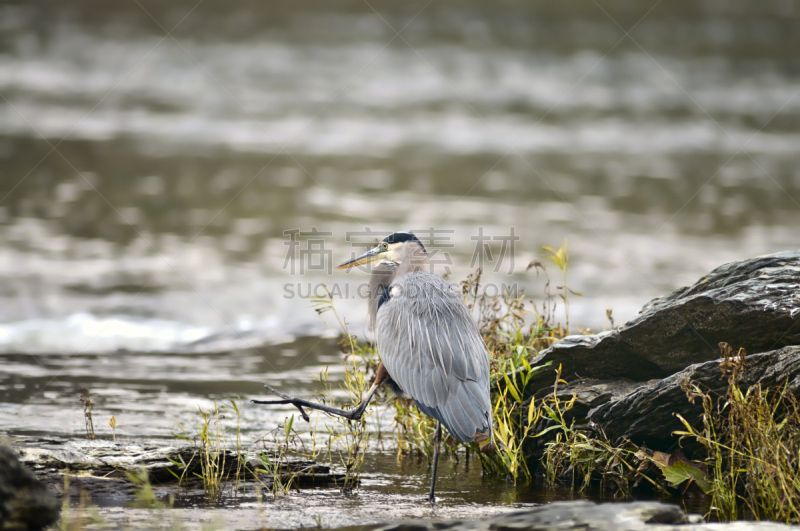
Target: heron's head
396, 249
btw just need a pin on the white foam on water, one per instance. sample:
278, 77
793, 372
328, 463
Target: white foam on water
83, 332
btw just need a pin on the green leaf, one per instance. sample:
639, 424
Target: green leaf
531, 412
690, 430
512, 389
544, 431
289, 427
553, 416
681, 471
559, 257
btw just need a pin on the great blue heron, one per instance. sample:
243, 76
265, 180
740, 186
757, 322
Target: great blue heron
429, 346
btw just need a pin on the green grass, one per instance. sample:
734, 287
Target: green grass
752, 438
576, 456
224, 463
280, 480
348, 440
218, 449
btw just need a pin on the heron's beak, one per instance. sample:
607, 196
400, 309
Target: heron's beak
370, 256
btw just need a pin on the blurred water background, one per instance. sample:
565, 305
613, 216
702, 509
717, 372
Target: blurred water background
153, 156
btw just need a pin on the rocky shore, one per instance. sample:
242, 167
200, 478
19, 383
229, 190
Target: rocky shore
628, 381
35, 506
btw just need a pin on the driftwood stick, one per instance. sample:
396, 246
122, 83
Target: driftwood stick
300, 403
350, 414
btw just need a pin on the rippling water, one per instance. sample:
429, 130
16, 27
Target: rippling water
147, 179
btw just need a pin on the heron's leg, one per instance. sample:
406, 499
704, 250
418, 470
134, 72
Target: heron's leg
437, 439
351, 414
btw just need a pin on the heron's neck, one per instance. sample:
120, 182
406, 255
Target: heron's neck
387, 272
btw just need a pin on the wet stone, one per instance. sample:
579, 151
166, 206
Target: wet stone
101, 468
25, 503
629, 382
584, 516
589, 394
647, 414
752, 304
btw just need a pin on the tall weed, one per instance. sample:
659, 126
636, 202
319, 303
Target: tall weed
752, 437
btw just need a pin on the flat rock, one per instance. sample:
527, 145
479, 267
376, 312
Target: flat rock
646, 415
25, 503
585, 516
752, 303
101, 468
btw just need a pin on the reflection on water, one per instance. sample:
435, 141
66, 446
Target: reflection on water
392, 489
151, 393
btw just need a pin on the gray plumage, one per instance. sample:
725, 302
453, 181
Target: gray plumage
433, 351
406, 258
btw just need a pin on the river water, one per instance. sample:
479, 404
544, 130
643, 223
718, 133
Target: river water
177, 179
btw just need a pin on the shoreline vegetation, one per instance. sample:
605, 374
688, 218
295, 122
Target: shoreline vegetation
750, 437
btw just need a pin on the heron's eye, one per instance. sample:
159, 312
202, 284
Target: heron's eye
384, 246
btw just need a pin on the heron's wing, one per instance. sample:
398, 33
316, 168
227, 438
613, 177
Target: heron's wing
432, 349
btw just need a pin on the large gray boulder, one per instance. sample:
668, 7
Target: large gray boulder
25, 503
646, 415
627, 381
754, 304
